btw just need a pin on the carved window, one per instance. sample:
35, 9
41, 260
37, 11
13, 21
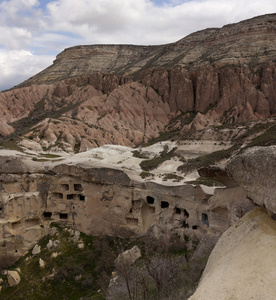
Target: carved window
47, 214
63, 216
164, 204
58, 196
64, 187
150, 200
204, 218
185, 225
78, 187
70, 196
186, 214
177, 210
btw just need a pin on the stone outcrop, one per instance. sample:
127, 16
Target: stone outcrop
241, 264
129, 257
254, 170
94, 200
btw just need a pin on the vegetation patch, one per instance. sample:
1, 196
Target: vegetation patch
164, 136
207, 160
205, 181
140, 154
73, 274
85, 273
145, 174
151, 164
267, 138
49, 155
11, 144
173, 177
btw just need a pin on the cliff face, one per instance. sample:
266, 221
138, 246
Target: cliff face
126, 94
250, 42
99, 200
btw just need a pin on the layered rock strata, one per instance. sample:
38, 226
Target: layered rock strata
102, 94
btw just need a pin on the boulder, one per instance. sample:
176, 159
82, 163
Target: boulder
13, 278
241, 266
41, 263
80, 245
54, 255
36, 250
129, 256
50, 245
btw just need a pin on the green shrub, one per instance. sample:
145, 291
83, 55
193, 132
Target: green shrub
207, 160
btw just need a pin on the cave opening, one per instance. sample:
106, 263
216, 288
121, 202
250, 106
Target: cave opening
150, 200
47, 214
64, 187
177, 210
194, 227
185, 225
78, 187
58, 195
63, 216
164, 204
70, 197
82, 197
186, 214
204, 218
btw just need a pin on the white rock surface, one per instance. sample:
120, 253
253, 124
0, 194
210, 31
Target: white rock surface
242, 264
41, 263
129, 256
81, 245
36, 250
13, 278
50, 245
254, 170
54, 255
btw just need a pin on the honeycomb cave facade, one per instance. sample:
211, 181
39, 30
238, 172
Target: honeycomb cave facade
95, 201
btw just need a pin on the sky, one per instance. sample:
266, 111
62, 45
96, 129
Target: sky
33, 32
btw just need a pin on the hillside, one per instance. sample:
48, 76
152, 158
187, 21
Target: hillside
128, 95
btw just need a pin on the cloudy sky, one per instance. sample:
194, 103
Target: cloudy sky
33, 32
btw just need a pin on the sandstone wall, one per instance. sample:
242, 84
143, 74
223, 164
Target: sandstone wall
241, 265
95, 201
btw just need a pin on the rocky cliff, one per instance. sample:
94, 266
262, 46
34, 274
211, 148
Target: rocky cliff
126, 94
240, 265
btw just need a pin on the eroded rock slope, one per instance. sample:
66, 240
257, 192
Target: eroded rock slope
124, 94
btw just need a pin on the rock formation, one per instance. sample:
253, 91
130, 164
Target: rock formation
94, 200
254, 170
13, 278
124, 94
241, 264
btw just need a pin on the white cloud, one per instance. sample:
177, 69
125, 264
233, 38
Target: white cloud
141, 22
18, 65
15, 37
